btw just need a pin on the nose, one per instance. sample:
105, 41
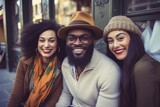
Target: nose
115, 44
46, 44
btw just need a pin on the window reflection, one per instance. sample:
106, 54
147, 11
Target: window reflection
143, 24
136, 5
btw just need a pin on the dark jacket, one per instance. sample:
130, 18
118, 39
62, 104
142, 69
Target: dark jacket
147, 82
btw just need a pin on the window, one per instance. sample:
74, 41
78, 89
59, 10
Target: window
142, 5
141, 10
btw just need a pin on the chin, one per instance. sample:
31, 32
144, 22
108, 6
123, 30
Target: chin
78, 56
46, 56
120, 58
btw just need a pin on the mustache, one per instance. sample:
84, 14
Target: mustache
78, 47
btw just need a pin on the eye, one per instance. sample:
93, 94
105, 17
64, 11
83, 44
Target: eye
110, 41
120, 37
71, 38
85, 38
52, 40
41, 40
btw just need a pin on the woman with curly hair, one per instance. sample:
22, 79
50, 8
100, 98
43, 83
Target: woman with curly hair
38, 80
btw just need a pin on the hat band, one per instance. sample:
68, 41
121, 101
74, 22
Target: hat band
78, 22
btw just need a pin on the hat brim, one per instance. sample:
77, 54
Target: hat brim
98, 32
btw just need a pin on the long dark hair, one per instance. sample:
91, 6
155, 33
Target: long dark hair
135, 52
30, 35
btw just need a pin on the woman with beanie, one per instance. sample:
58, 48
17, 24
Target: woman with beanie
124, 46
38, 80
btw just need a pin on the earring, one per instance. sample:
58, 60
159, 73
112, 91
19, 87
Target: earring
36, 50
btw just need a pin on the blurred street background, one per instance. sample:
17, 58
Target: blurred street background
15, 14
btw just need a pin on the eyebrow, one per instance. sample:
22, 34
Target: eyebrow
120, 34
116, 35
49, 37
79, 35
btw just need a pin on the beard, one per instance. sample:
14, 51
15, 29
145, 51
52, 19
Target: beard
82, 61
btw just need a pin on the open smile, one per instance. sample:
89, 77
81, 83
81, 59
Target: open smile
119, 51
46, 51
78, 50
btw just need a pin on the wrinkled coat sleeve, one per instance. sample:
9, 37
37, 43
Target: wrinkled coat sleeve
17, 93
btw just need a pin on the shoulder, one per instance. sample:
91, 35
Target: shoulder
145, 64
65, 62
65, 65
23, 64
107, 68
109, 74
103, 59
108, 63
26, 61
21, 61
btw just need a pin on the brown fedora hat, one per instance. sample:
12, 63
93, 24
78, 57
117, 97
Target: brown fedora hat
81, 20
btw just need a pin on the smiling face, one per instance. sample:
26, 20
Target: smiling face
118, 43
47, 44
79, 48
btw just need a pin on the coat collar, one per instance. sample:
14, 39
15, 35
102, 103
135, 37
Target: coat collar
28, 61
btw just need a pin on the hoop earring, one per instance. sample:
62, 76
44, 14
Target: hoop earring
36, 50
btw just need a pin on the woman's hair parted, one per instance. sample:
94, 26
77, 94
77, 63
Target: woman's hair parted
31, 33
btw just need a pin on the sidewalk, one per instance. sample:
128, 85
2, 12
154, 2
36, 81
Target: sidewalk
6, 84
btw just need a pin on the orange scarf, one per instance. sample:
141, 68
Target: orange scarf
42, 83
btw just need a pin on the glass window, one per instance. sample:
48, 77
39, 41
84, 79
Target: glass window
37, 14
141, 5
143, 24
65, 8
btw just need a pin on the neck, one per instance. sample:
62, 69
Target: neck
45, 60
79, 69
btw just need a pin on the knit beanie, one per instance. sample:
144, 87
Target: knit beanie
120, 23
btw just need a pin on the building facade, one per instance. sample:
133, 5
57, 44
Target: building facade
16, 13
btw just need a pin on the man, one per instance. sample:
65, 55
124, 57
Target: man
90, 78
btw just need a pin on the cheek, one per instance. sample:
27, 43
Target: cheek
54, 47
126, 44
67, 44
110, 47
39, 46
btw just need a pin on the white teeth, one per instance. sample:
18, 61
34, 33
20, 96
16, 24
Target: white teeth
77, 51
46, 50
119, 51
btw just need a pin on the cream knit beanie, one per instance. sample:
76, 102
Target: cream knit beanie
120, 23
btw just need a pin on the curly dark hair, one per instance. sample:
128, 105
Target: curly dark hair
30, 35
135, 52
